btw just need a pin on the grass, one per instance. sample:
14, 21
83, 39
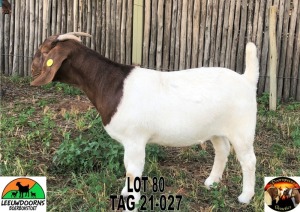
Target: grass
55, 132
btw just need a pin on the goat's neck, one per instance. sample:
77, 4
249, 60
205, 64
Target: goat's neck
101, 79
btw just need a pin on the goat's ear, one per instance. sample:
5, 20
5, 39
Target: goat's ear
51, 64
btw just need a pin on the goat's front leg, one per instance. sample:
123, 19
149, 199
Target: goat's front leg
134, 160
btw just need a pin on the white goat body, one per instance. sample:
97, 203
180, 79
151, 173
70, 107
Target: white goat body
185, 107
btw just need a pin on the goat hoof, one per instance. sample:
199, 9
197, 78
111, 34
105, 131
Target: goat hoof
136, 197
245, 198
125, 192
210, 181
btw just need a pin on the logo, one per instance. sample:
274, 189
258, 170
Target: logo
281, 193
23, 193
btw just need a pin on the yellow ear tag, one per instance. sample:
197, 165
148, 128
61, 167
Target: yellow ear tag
49, 62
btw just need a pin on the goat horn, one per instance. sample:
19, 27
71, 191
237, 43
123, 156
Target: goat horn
72, 36
79, 34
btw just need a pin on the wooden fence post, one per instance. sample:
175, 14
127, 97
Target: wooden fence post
137, 37
273, 59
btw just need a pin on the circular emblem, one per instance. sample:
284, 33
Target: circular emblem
282, 194
49, 62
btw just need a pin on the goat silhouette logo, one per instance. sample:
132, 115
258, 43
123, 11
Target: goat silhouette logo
23, 193
281, 194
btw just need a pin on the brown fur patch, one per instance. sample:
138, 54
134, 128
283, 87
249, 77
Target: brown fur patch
100, 78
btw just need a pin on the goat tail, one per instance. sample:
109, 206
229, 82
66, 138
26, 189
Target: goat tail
252, 64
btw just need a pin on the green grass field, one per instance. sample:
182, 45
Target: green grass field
55, 132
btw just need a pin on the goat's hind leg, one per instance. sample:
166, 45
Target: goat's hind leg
244, 150
222, 150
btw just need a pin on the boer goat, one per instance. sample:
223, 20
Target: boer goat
181, 108
23, 189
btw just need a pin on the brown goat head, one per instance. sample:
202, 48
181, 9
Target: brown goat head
50, 56
47, 60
